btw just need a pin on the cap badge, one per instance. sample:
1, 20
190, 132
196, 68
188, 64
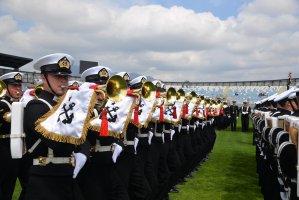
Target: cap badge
158, 84
75, 84
126, 77
64, 63
143, 80
103, 73
18, 77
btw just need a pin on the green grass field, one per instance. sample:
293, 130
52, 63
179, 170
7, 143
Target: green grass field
228, 174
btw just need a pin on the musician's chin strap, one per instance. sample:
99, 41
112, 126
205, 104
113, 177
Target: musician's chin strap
46, 76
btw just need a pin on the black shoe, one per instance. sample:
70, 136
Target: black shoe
182, 181
174, 190
189, 175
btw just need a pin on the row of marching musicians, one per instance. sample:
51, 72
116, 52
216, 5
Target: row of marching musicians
112, 137
276, 125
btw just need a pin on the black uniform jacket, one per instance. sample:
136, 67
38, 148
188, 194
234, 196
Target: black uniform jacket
33, 111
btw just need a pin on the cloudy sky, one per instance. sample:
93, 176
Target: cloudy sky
172, 40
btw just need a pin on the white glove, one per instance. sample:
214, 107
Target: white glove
187, 126
136, 140
228, 116
117, 150
163, 138
80, 160
197, 123
150, 136
179, 127
237, 117
172, 132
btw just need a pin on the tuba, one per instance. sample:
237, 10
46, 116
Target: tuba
3, 88
116, 88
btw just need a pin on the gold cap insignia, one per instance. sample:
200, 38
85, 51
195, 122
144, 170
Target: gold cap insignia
103, 73
18, 77
64, 63
75, 84
143, 80
158, 84
126, 77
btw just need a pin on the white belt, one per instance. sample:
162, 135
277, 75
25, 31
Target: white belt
43, 161
158, 134
5, 136
102, 148
184, 127
129, 142
191, 126
166, 131
142, 135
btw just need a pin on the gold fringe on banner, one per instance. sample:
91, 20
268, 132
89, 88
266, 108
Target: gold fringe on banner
114, 133
62, 138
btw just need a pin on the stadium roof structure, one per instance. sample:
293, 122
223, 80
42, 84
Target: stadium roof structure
13, 61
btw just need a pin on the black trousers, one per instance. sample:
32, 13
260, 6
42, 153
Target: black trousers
233, 123
10, 170
245, 122
53, 187
99, 179
131, 173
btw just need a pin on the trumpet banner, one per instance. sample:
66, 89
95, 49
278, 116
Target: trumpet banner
68, 120
118, 116
191, 108
179, 106
145, 111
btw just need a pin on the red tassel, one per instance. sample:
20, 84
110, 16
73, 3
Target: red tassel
157, 94
104, 125
221, 111
196, 111
32, 92
185, 110
174, 112
136, 119
94, 87
161, 114
73, 88
129, 92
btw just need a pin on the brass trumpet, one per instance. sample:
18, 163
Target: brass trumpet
147, 91
180, 95
171, 96
37, 90
115, 88
192, 97
3, 88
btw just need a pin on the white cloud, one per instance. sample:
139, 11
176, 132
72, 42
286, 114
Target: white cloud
173, 44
